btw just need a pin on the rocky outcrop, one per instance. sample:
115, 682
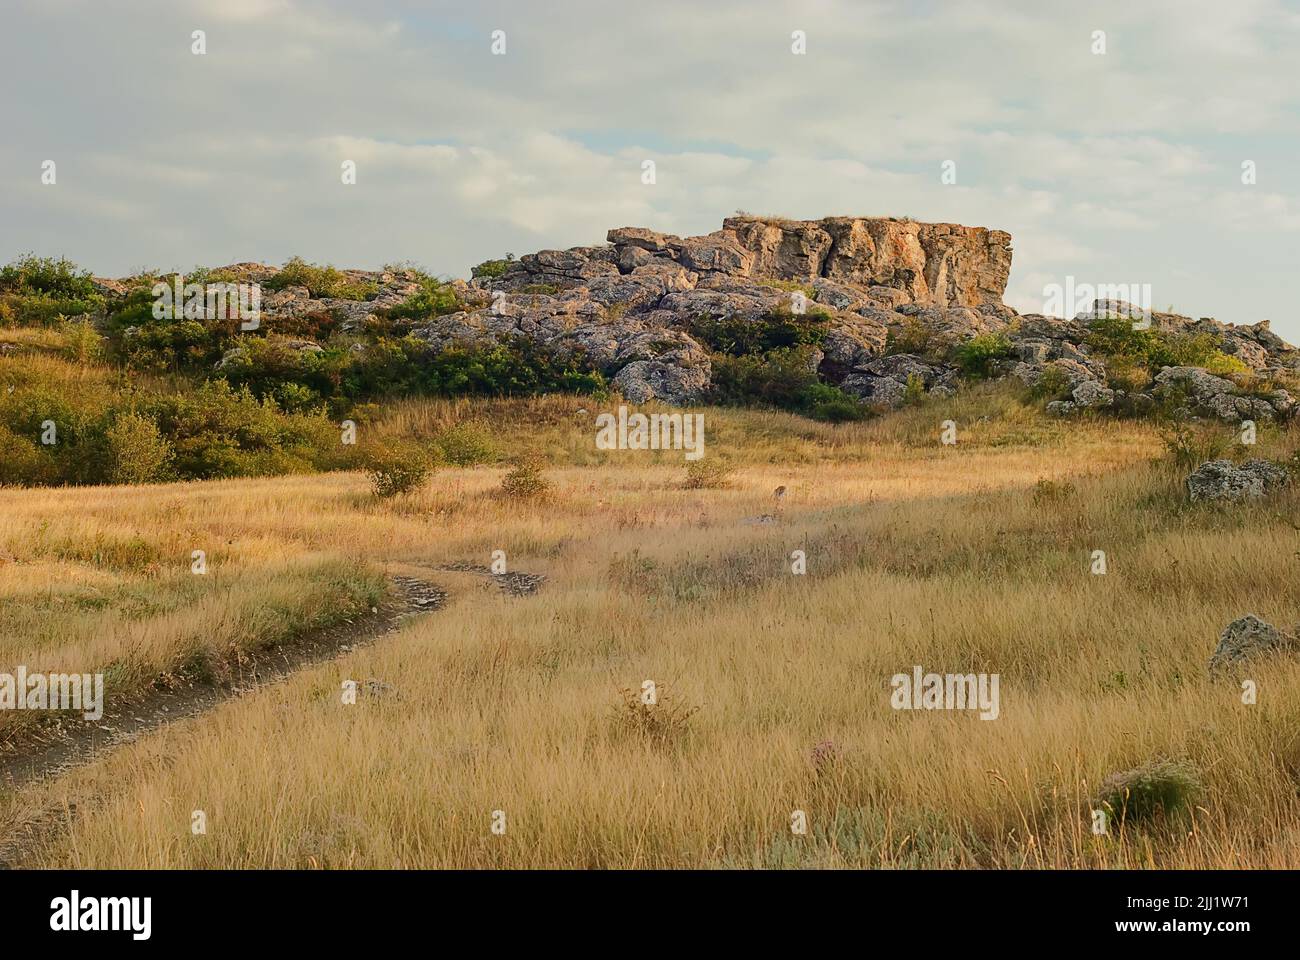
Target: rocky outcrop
1209, 395
941, 264
1245, 639
861, 276
885, 380
895, 303
1225, 480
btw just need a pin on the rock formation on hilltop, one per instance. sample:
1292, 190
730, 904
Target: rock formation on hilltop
881, 308
631, 304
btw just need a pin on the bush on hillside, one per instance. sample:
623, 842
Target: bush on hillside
977, 356
781, 329
53, 277
137, 451
320, 281
397, 468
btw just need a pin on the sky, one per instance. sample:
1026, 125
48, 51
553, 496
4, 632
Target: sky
1127, 166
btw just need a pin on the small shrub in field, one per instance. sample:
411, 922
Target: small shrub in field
914, 392
81, 341
1189, 446
1052, 491
524, 481
821, 401
467, 444
397, 468
1163, 788
24, 463
651, 716
137, 450
707, 474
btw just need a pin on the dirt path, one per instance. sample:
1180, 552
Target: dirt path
54, 749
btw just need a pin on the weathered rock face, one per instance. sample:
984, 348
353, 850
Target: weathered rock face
855, 271
940, 264
896, 301
1225, 480
1245, 639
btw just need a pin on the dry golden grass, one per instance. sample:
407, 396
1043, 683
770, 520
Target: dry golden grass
917, 554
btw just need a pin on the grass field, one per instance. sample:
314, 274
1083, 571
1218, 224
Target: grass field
773, 688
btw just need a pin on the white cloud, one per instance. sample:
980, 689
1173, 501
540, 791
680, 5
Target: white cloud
1121, 164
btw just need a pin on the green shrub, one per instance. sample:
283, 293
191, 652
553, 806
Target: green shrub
24, 462
434, 299
56, 278
1052, 384
1189, 445
978, 355
40, 310
467, 444
1115, 336
137, 451
320, 281
1163, 788
710, 473
821, 401
271, 367
515, 367
397, 468
911, 336
779, 378
81, 341
914, 390
740, 337
491, 269
1226, 365
170, 345
217, 431
524, 480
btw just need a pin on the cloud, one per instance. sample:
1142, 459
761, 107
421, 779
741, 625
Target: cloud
1121, 165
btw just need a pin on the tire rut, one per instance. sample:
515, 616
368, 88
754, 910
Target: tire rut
54, 750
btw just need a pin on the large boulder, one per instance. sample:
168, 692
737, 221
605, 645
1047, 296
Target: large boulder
645, 380
1225, 480
1245, 639
884, 380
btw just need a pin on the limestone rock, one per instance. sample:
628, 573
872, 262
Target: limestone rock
1245, 639
1225, 480
646, 380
